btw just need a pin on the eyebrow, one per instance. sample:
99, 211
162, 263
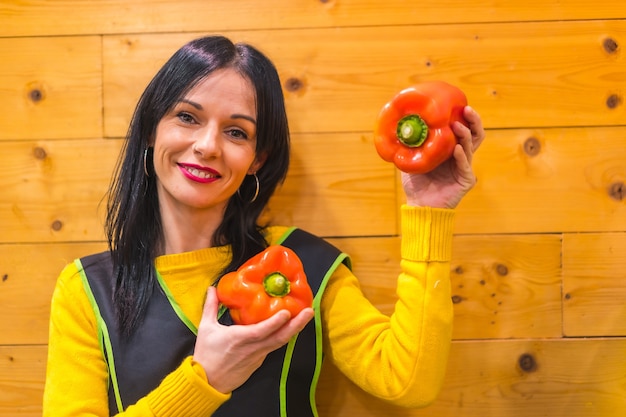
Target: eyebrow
192, 103
234, 116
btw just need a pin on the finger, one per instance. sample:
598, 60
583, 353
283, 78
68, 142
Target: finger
298, 323
464, 136
272, 337
463, 163
291, 328
475, 125
263, 329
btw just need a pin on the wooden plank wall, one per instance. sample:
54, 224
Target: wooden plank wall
539, 256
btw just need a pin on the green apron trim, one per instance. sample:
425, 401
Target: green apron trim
318, 328
285, 235
179, 311
284, 374
103, 335
288, 354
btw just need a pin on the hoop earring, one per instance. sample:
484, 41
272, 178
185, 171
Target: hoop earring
256, 191
145, 162
258, 187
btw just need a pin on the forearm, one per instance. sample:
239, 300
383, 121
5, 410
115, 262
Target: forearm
402, 358
184, 392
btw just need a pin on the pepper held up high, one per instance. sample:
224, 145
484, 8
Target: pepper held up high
414, 131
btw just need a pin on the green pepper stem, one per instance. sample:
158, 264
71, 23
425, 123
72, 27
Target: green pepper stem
412, 130
276, 285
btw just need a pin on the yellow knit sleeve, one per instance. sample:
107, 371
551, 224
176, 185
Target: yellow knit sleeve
77, 377
402, 358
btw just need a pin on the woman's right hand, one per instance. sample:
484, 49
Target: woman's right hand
230, 354
446, 185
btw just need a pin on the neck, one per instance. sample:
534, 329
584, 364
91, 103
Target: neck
189, 230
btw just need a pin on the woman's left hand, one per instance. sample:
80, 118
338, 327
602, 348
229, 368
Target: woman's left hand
446, 185
230, 354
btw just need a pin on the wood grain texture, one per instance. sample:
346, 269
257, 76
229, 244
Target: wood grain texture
22, 376
565, 378
28, 275
515, 75
507, 286
73, 17
594, 288
337, 186
50, 88
548, 180
53, 191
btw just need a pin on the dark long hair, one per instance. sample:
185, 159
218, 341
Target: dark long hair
133, 222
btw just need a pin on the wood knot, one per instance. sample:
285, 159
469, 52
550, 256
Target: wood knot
36, 95
35, 91
57, 225
527, 362
502, 270
613, 101
456, 299
40, 153
458, 270
568, 296
617, 191
294, 84
610, 45
5, 277
532, 146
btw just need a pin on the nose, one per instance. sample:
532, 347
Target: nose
207, 142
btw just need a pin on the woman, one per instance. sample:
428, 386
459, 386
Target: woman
136, 330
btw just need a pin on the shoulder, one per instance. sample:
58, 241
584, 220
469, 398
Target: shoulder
280, 234
97, 260
274, 234
69, 299
70, 282
309, 246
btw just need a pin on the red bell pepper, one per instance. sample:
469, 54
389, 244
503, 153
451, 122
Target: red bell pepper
270, 281
413, 130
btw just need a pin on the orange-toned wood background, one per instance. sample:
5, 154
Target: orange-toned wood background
539, 258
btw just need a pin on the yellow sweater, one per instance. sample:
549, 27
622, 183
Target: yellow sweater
400, 359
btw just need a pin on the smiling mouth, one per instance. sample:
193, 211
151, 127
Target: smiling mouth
199, 173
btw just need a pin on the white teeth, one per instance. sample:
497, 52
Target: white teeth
199, 174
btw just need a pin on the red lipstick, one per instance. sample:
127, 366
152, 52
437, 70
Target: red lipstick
198, 173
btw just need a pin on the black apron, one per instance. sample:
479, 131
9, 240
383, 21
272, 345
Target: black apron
283, 386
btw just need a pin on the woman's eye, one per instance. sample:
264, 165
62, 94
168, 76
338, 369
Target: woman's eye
238, 133
185, 117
